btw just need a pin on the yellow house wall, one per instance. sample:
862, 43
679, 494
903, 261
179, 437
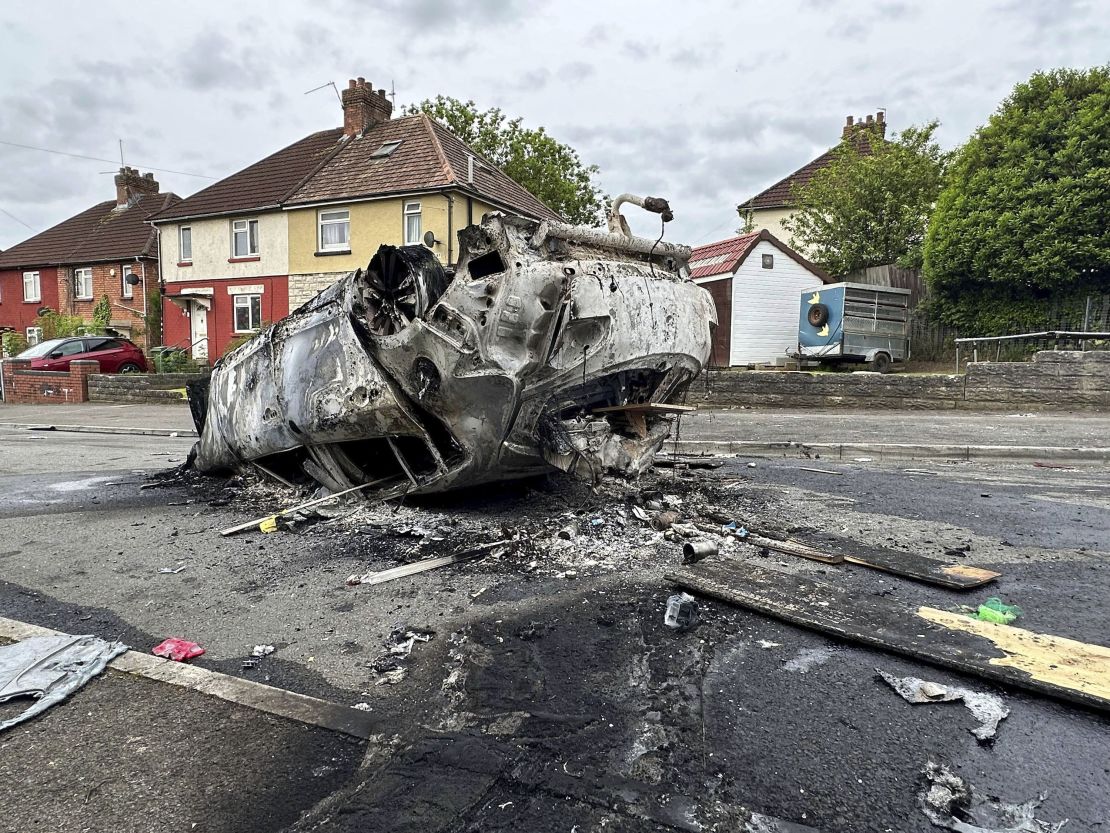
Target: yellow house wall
771, 219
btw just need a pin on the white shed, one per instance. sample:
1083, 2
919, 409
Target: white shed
755, 280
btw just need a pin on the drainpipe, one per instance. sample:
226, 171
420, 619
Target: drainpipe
161, 302
450, 215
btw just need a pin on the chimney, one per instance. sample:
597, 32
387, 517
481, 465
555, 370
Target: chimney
364, 107
854, 127
130, 185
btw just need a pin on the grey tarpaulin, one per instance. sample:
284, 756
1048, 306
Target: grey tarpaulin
50, 668
988, 709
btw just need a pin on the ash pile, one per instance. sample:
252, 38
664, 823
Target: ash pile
549, 347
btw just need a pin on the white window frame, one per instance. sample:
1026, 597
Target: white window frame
412, 212
336, 220
34, 336
34, 278
248, 228
77, 287
246, 302
126, 290
185, 233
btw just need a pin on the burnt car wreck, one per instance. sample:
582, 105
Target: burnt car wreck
551, 346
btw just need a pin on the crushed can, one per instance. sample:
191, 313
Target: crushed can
682, 612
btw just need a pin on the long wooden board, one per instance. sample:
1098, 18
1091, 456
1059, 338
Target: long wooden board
1063, 668
907, 564
793, 548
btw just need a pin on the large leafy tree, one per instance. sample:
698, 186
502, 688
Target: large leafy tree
1025, 215
871, 205
545, 166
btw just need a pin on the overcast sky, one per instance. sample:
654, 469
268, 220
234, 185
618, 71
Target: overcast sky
703, 103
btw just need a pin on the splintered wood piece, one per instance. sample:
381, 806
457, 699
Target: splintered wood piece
794, 548
1053, 665
646, 408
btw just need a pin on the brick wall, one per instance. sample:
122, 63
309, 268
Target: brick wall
1053, 380
47, 387
140, 387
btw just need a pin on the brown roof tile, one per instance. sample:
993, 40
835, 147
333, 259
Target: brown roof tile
261, 185
780, 194
429, 157
102, 233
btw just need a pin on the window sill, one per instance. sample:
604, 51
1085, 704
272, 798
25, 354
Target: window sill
246, 332
332, 253
32, 300
184, 263
251, 259
82, 297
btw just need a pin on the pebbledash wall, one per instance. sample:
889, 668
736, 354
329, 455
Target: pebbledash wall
1064, 379
46, 387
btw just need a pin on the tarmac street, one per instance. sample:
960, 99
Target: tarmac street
539, 688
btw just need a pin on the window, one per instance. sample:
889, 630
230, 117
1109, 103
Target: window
244, 238
412, 223
82, 284
70, 348
248, 313
335, 231
768, 261
34, 336
185, 244
126, 289
31, 287
386, 149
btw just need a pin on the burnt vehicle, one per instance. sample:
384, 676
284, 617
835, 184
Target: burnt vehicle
550, 346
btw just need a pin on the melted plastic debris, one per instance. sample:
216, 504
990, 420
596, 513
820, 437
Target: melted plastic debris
988, 709
952, 803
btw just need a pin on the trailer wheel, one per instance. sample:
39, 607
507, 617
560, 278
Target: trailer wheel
881, 363
818, 315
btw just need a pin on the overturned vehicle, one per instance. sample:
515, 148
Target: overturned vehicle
551, 346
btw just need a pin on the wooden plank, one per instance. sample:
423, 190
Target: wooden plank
646, 408
1063, 668
793, 548
906, 564
392, 573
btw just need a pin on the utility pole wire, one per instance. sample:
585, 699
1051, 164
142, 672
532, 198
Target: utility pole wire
8, 213
100, 159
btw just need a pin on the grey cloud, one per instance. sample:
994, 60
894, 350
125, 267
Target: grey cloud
213, 61
576, 71
433, 16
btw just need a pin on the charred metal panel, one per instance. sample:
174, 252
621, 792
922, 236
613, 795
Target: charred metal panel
404, 372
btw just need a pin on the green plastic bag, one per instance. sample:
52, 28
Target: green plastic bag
995, 610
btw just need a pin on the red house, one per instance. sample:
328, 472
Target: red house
108, 250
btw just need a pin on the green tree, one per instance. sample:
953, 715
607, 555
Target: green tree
56, 325
548, 168
1026, 211
871, 205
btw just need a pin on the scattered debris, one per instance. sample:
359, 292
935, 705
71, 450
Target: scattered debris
262, 650
766, 644
173, 570
270, 522
951, 802
177, 649
50, 668
864, 459
494, 548
988, 709
1040, 465
363, 707
682, 612
997, 611
819, 471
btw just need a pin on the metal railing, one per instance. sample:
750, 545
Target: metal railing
1055, 336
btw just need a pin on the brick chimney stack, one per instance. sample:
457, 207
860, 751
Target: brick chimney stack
130, 184
363, 107
874, 123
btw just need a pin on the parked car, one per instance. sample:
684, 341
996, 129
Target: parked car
116, 355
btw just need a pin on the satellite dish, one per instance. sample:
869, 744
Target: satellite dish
429, 239
133, 279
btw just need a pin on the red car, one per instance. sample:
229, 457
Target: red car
116, 355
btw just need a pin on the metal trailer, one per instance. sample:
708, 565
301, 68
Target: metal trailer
854, 322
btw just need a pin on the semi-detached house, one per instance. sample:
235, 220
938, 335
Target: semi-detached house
247, 250
107, 250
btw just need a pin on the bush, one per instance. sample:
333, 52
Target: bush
13, 344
